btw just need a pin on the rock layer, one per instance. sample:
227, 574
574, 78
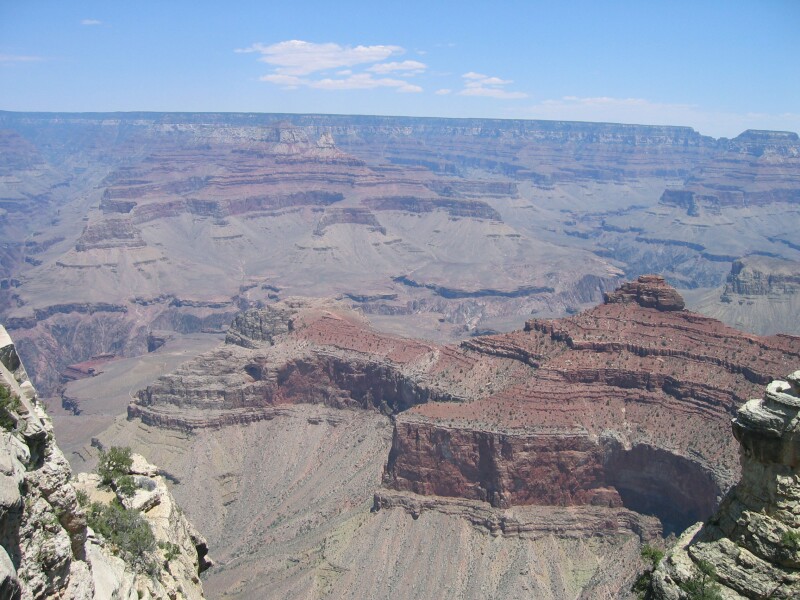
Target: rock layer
623, 405
649, 291
228, 211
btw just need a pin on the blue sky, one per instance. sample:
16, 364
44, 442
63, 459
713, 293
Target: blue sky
718, 66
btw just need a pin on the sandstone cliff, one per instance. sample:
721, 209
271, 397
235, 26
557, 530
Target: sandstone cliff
751, 545
47, 549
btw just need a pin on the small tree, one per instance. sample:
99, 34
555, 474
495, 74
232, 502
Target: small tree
703, 586
9, 401
115, 463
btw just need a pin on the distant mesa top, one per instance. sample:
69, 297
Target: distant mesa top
649, 291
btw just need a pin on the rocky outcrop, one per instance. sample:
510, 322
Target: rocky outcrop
476, 209
47, 549
751, 545
251, 328
649, 291
762, 276
355, 216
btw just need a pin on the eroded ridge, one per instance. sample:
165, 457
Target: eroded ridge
753, 541
625, 405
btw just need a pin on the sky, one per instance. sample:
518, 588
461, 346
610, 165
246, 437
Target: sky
718, 66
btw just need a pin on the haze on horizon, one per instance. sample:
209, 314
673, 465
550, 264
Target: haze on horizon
720, 66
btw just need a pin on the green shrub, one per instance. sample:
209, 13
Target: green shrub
170, 550
9, 401
653, 556
82, 497
703, 586
127, 531
115, 463
791, 539
126, 485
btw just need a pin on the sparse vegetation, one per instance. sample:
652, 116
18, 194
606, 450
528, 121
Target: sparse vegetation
703, 586
791, 540
652, 556
126, 485
9, 401
114, 464
114, 470
170, 550
127, 531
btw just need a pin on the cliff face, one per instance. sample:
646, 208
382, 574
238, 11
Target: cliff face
46, 547
761, 294
753, 541
761, 276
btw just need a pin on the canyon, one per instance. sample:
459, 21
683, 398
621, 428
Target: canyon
581, 437
119, 225
430, 346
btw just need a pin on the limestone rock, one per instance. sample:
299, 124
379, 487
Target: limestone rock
46, 548
649, 291
753, 541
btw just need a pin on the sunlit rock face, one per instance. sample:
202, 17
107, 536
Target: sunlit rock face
753, 540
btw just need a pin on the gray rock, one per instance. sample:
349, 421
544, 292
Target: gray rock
753, 541
259, 326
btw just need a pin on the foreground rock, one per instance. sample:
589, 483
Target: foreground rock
753, 541
48, 550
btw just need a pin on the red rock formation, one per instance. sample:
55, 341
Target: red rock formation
623, 405
650, 291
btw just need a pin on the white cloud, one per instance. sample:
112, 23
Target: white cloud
91, 22
359, 81
296, 57
364, 81
286, 80
478, 84
642, 111
11, 58
404, 67
330, 66
443, 92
